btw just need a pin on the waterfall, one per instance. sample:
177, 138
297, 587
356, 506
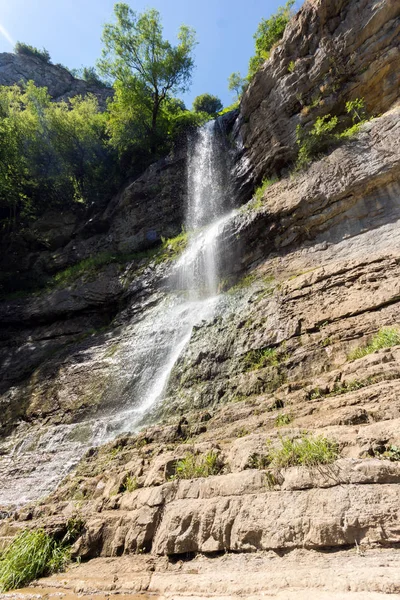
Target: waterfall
151, 346
195, 276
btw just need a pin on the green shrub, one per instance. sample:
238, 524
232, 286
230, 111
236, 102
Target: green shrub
356, 109
269, 32
307, 451
291, 66
322, 134
317, 140
192, 466
29, 556
385, 338
27, 50
229, 108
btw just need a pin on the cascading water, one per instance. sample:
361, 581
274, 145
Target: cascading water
153, 345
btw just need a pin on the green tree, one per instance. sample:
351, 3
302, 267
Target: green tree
207, 103
269, 32
51, 154
136, 55
237, 83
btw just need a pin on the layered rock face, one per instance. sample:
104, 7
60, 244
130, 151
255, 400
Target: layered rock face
311, 277
331, 52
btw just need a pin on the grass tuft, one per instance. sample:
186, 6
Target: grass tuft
307, 451
385, 338
29, 556
129, 484
192, 466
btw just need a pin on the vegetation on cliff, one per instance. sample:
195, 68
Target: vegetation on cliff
31, 555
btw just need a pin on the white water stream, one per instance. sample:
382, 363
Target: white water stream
152, 346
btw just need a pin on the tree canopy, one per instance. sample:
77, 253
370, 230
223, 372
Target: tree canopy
149, 67
51, 153
207, 103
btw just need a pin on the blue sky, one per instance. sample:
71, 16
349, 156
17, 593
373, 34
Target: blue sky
71, 30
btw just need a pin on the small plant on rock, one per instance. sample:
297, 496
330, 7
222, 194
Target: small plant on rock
317, 140
283, 419
259, 193
129, 484
391, 453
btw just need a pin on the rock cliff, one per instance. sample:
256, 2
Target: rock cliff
61, 85
304, 344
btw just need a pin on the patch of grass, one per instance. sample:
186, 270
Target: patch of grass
29, 556
307, 451
243, 283
283, 420
385, 338
258, 461
88, 266
192, 466
291, 66
246, 281
258, 359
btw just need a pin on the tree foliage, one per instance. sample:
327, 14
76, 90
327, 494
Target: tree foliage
151, 69
207, 103
90, 75
51, 154
269, 32
237, 83
21, 48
